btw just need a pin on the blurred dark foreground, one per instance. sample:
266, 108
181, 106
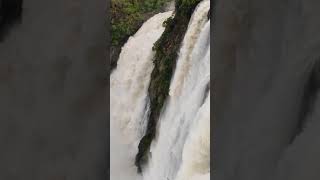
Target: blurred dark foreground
267, 100
53, 90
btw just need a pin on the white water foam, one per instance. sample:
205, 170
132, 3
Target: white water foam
185, 115
181, 149
128, 97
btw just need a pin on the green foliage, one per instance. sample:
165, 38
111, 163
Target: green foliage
128, 15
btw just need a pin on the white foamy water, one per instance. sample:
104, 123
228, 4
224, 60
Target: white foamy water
197, 22
129, 84
181, 149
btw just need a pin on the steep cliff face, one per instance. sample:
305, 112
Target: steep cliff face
166, 49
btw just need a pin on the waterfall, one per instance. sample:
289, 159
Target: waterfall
128, 97
181, 149
180, 114
197, 22
196, 150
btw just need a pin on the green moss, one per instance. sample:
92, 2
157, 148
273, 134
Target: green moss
166, 49
127, 16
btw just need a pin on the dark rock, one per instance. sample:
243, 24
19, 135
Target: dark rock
166, 48
114, 56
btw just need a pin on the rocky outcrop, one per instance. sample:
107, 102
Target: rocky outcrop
166, 49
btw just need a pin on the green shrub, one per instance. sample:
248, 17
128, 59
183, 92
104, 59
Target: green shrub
128, 15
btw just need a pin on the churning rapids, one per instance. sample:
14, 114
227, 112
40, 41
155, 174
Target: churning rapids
181, 149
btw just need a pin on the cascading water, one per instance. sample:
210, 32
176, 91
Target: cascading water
196, 24
180, 114
128, 97
181, 149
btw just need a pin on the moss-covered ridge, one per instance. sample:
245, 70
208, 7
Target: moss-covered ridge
166, 48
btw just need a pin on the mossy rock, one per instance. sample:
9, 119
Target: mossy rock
166, 49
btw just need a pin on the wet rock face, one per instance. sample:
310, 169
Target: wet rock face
166, 49
10, 13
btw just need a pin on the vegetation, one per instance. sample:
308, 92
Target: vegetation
127, 16
166, 49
